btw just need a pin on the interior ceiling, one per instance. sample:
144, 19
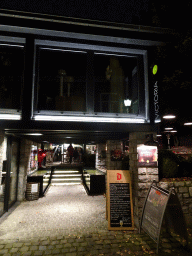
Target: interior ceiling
65, 136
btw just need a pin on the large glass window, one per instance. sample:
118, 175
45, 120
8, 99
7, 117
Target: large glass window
62, 80
116, 84
11, 76
88, 80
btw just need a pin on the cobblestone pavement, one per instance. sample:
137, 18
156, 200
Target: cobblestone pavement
69, 222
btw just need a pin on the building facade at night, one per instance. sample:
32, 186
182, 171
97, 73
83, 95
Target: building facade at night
71, 81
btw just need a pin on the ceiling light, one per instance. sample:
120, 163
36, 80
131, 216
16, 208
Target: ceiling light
34, 134
127, 103
168, 128
189, 123
169, 116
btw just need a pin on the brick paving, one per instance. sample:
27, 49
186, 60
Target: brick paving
69, 222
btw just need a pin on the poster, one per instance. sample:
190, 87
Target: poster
147, 156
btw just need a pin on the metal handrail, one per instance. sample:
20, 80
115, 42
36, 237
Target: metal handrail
50, 178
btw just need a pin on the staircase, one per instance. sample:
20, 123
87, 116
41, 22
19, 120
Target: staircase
65, 177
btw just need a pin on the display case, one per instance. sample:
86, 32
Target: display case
94, 181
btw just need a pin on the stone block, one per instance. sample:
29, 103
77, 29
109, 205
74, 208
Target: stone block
185, 209
187, 200
180, 196
152, 171
186, 195
143, 185
164, 185
143, 178
142, 171
190, 208
190, 191
180, 184
153, 177
183, 190
171, 184
188, 183
142, 193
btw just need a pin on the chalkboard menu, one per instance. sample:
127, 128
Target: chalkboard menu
120, 207
153, 211
119, 200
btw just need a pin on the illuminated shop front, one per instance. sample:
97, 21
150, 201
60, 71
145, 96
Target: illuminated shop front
76, 80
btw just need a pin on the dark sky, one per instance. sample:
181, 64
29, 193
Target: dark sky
125, 11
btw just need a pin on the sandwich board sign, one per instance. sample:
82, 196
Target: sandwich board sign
119, 200
162, 203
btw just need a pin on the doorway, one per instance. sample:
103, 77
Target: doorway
10, 175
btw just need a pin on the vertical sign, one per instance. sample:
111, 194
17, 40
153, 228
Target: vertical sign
156, 102
119, 200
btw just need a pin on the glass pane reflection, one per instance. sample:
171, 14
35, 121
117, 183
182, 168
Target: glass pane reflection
62, 81
116, 84
11, 77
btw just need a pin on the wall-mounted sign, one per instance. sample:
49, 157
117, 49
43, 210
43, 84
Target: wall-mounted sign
155, 69
156, 102
116, 155
119, 200
34, 188
147, 156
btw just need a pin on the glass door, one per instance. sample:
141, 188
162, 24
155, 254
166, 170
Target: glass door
14, 173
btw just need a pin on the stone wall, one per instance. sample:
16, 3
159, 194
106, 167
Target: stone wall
184, 193
141, 177
100, 162
112, 145
25, 151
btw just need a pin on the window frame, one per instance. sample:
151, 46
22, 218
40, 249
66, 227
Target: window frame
91, 49
16, 42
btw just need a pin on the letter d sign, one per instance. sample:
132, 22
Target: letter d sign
119, 176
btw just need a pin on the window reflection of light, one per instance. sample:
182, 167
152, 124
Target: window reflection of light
10, 117
88, 119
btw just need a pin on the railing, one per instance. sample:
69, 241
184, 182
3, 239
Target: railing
50, 178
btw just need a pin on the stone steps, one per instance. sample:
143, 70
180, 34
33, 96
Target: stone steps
64, 177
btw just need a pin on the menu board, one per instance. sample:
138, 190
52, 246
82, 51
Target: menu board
119, 200
153, 211
120, 205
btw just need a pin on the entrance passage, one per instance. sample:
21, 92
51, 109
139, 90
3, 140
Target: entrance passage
65, 210
65, 176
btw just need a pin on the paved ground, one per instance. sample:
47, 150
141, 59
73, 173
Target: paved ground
69, 222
